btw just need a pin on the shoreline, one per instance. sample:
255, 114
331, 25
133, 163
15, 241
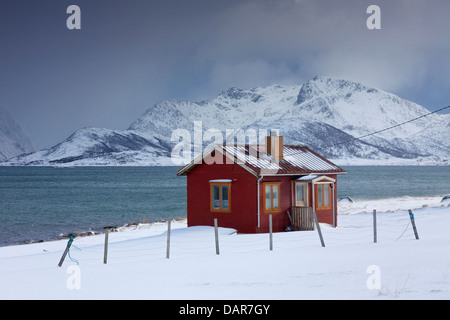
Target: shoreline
138, 268
88, 233
167, 162
346, 208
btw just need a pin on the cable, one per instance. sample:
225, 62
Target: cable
73, 259
389, 128
369, 134
376, 132
403, 231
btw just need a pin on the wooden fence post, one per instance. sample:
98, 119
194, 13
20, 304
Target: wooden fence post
168, 240
105, 253
216, 236
411, 216
69, 243
270, 232
374, 226
318, 229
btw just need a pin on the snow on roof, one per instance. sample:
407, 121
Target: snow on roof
305, 158
308, 177
296, 160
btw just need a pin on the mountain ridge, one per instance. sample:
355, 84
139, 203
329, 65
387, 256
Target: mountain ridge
13, 141
325, 113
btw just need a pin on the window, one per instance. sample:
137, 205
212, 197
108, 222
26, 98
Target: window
301, 192
220, 196
271, 196
323, 194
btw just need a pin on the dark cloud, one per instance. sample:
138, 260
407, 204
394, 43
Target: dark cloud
305, 38
130, 54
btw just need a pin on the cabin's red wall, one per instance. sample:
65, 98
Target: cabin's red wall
280, 220
243, 197
326, 215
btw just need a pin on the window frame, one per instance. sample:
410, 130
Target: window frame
305, 201
271, 184
211, 195
330, 189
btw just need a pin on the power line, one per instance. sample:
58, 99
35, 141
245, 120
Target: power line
389, 128
379, 131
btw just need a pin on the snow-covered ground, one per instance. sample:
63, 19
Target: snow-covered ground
351, 266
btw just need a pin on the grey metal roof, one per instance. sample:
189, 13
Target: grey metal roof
297, 160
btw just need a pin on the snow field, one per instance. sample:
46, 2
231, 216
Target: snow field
351, 266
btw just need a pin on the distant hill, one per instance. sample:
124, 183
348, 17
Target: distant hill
325, 113
12, 140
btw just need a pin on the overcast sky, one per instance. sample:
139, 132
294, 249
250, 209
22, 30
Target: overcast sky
130, 54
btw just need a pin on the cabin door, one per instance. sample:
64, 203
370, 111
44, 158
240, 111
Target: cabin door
300, 194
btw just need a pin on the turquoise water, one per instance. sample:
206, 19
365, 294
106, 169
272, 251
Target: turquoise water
41, 203
44, 202
382, 182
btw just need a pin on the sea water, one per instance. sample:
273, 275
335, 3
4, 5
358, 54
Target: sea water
46, 202
42, 203
383, 182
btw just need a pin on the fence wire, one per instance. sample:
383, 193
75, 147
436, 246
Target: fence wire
390, 228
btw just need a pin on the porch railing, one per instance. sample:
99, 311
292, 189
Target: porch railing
302, 218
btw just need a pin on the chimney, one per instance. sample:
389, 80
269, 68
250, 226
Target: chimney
274, 145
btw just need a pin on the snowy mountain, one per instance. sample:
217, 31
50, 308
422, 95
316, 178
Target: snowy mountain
99, 146
323, 113
12, 140
326, 114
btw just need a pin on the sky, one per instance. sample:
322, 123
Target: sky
130, 54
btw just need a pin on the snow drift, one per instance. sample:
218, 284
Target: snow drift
351, 266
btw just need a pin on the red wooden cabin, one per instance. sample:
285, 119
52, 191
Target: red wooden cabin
241, 185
